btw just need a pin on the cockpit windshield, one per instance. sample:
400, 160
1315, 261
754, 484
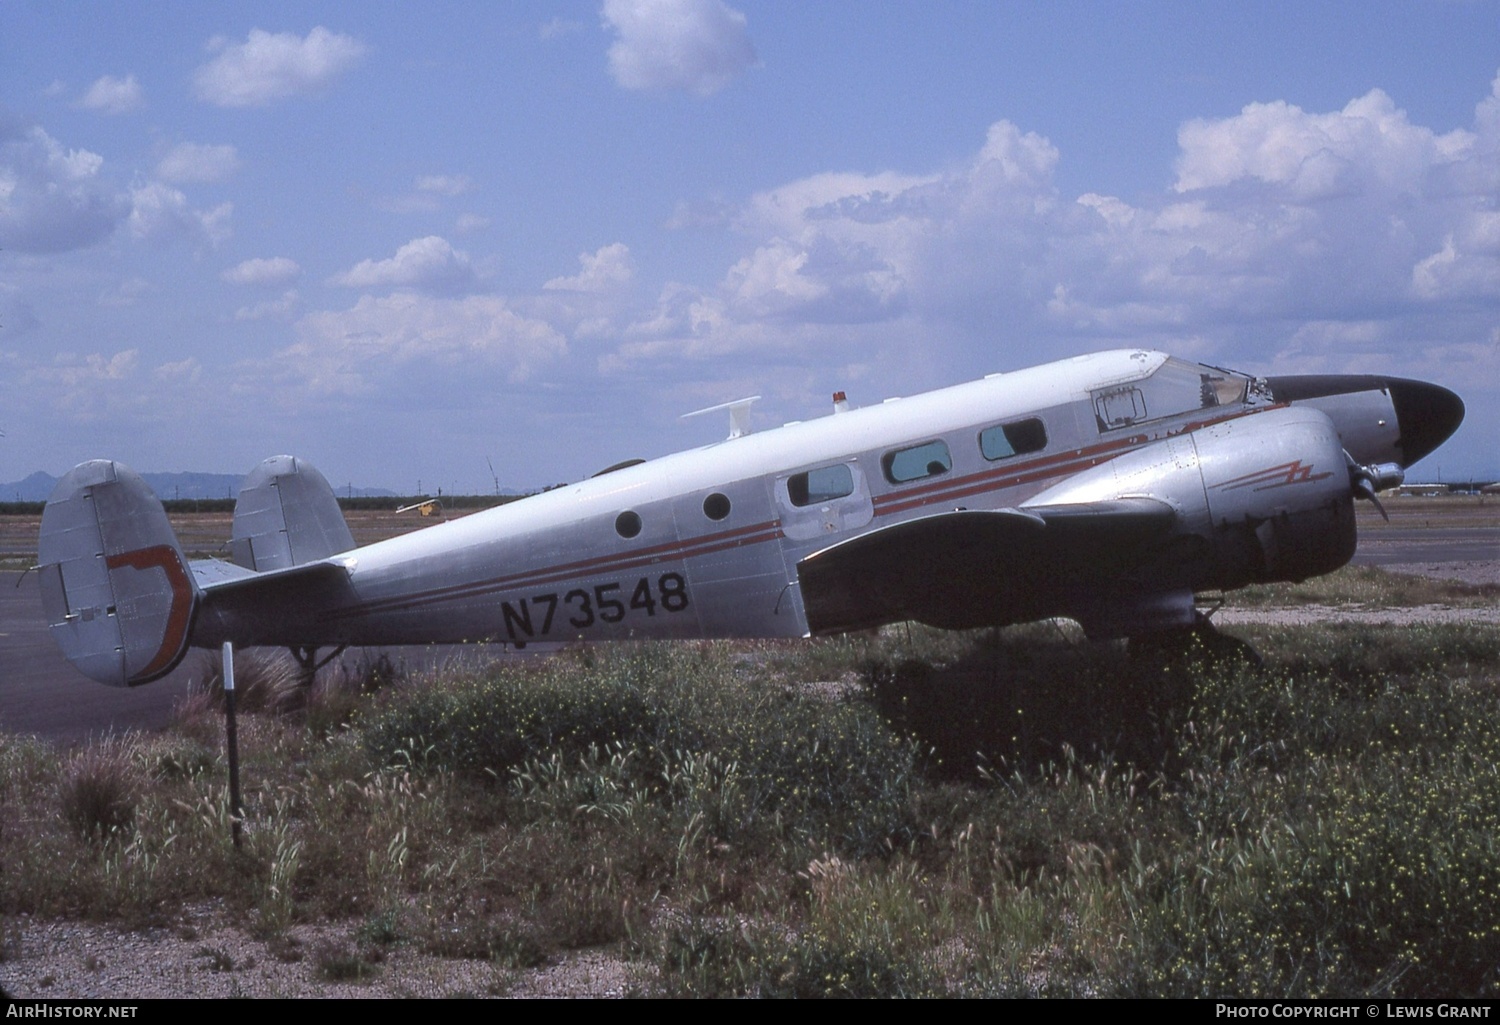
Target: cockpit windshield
1177, 387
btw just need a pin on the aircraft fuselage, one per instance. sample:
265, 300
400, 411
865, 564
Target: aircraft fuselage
706, 543
1110, 488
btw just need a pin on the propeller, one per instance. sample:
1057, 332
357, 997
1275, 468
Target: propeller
1367, 479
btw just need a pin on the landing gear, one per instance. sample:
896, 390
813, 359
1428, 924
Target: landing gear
1200, 645
307, 661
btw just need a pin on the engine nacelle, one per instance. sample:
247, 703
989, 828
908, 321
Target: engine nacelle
1259, 498
1279, 496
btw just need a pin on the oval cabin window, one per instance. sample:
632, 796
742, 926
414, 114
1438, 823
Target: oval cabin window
628, 524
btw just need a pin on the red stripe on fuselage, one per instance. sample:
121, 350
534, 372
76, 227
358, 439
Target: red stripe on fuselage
670, 551
1007, 476
1014, 474
1058, 464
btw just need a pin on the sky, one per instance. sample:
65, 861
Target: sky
412, 243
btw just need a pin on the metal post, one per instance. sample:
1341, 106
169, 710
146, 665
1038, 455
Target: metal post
237, 810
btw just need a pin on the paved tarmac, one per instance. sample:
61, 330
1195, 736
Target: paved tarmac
41, 693
1400, 545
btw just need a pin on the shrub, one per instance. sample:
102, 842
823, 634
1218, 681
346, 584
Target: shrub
337, 961
1346, 844
100, 789
1021, 698
678, 729
478, 725
265, 680
717, 958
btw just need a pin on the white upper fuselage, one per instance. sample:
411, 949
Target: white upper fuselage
556, 565
782, 450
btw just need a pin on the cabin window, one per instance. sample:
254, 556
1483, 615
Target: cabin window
716, 506
628, 524
907, 464
1013, 439
821, 485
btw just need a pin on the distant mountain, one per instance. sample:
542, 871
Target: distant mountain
35, 488
168, 486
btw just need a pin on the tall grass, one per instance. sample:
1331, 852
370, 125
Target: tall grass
1013, 813
680, 728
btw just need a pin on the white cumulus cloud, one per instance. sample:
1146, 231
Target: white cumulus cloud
282, 308
1379, 229
696, 46
1313, 155
198, 162
267, 273
92, 388
445, 184
273, 66
110, 95
160, 213
382, 338
606, 270
53, 199
429, 264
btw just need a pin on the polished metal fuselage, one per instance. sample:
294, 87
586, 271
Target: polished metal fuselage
720, 536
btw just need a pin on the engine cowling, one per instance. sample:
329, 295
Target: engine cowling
1279, 496
1259, 498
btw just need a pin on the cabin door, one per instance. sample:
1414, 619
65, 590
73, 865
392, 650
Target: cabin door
819, 507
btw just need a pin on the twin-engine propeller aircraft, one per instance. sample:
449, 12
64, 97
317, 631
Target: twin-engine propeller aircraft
1110, 488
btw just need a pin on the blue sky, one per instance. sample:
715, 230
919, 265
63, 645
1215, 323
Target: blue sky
403, 241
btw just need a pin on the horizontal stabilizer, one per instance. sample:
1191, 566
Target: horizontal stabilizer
211, 572
971, 568
286, 515
276, 607
115, 587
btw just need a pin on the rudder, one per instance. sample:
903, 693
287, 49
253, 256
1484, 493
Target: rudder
116, 589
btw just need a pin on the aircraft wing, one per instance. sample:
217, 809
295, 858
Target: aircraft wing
970, 568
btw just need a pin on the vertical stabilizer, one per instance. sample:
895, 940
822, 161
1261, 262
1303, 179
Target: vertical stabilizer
286, 516
115, 587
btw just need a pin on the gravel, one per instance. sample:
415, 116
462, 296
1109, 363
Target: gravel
204, 956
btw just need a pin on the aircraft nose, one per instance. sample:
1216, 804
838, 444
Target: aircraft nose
1426, 414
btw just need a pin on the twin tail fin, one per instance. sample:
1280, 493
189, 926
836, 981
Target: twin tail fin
120, 597
116, 588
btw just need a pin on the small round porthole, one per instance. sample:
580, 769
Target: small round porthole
628, 524
716, 506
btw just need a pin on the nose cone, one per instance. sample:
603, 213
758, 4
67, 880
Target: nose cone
1427, 415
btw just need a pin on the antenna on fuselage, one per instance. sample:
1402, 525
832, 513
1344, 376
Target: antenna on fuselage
739, 415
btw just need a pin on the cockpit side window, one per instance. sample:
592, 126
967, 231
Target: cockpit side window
1119, 407
918, 461
1223, 388
1177, 387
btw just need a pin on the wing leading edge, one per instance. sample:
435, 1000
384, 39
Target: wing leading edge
969, 568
